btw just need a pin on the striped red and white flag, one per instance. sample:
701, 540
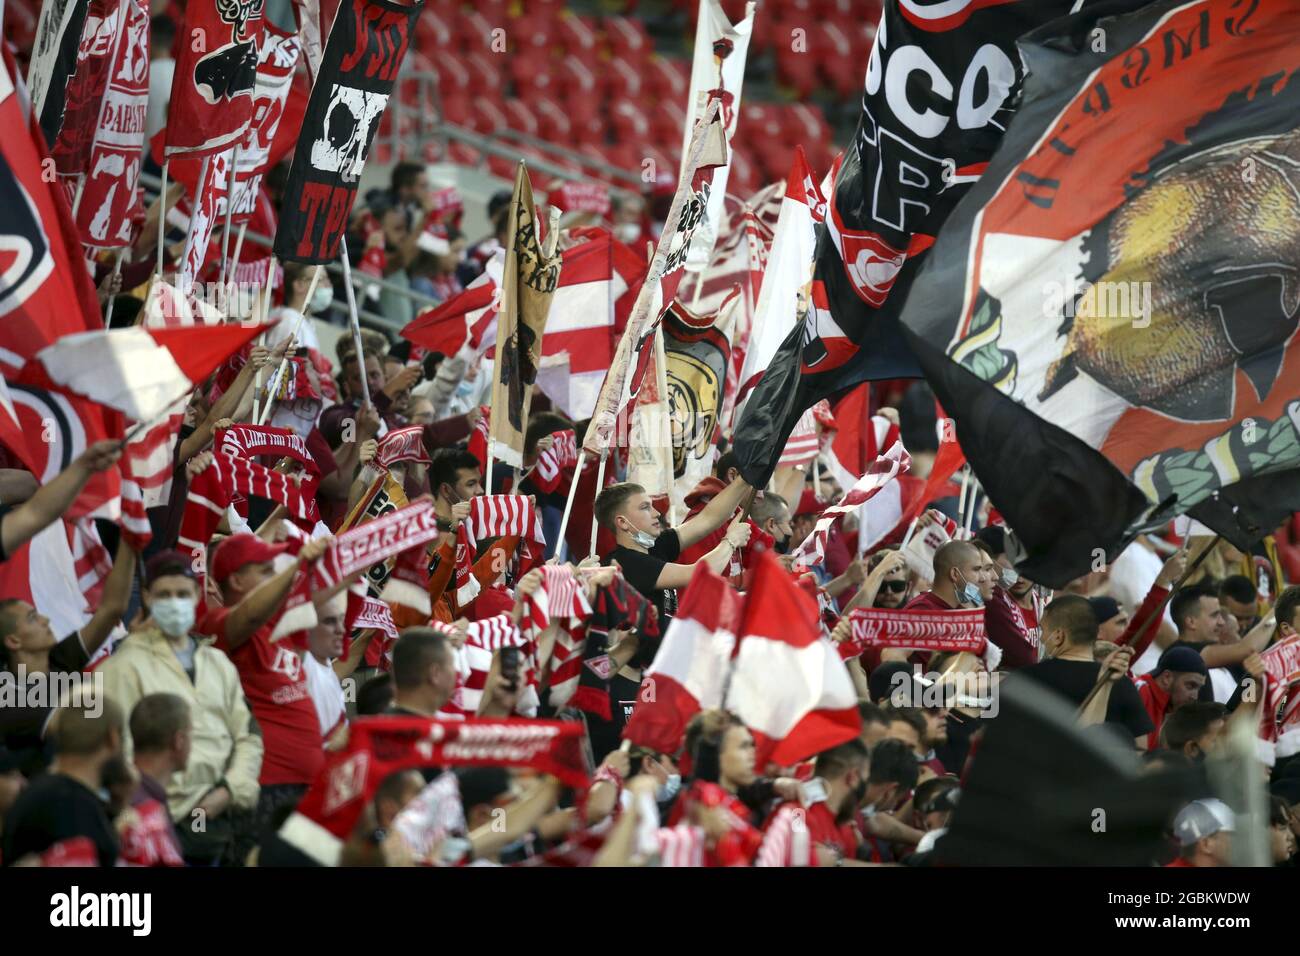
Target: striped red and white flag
690, 670
802, 445
788, 683
134, 521
493, 516
883, 471
474, 661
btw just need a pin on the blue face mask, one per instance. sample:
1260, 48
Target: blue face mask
969, 593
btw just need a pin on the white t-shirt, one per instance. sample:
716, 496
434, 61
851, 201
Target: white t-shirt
289, 323
160, 94
326, 693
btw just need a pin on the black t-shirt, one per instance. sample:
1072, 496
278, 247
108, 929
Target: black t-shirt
1075, 679
55, 808
607, 735
642, 572
22, 729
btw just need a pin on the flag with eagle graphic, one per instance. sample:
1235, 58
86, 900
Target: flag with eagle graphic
1110, 313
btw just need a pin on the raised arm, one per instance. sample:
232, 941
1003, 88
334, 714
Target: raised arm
679, 575
52, 500
714, 514
262, 604
114, 600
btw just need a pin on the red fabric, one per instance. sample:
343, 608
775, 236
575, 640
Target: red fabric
1008, 626
1146, 614
1156, 701
276, 687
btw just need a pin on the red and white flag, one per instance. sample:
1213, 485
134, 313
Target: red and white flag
108, 191
717, 72
790, 264
599, 279
208, 207
882, 472
689, 672
635, 350
45, 289
138, 371
788, 683
494, 516
474, 661
277, 57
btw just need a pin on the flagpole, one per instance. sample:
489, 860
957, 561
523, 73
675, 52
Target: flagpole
266, 314
356, 325
600, 484
573, 492
76, 200
230, 208
112, 300
961, 498
970, 508
239, 246
162, 217
194, 216
279, 371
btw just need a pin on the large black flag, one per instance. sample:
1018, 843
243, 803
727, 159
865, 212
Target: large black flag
1110, 314
941, 86
362, 56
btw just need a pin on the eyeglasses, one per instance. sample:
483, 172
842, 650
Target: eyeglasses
897, 587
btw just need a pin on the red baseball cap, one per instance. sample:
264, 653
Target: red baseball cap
809, 504
239, 550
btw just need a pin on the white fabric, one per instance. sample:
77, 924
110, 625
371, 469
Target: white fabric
288, 324
326, 692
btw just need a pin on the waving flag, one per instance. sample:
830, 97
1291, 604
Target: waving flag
635, 348
54, 59
45, 289
689, 672
362, 58
883, 472
277, 57
915, 155
788, 684
72, 130
138, 371
1104, 302
528, 282
112, 173
790, 262
599, 280
717, 72
216, 73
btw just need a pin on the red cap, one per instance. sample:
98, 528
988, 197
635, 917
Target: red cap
239, 550
809, 504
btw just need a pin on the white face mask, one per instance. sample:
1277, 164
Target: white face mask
320, 299
174, 615
669, 788
627, 231
642, 538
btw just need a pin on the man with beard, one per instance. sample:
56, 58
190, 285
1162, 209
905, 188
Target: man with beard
1176, 682
1011, 616
895, 585
815, 829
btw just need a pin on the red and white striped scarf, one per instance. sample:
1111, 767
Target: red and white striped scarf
562, 454
211, 491
91, 560
560, 596
134, 521
879, 474
474, 660
494, 516
151, 457
250, 441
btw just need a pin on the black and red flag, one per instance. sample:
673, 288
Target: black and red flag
1115, 303
941, 85
216, 72
364, 52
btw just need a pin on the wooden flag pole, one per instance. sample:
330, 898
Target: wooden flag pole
573, 492
355, 321
162, 217
266, 314
297, 329
600, 484
230, 209
112, 300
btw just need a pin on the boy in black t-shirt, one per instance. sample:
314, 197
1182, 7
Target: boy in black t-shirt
647, 554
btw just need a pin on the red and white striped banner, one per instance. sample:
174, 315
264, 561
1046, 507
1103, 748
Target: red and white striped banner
250, 441
402, 444
474, 661
883, 470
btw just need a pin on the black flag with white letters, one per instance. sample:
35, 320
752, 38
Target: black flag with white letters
942, 83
